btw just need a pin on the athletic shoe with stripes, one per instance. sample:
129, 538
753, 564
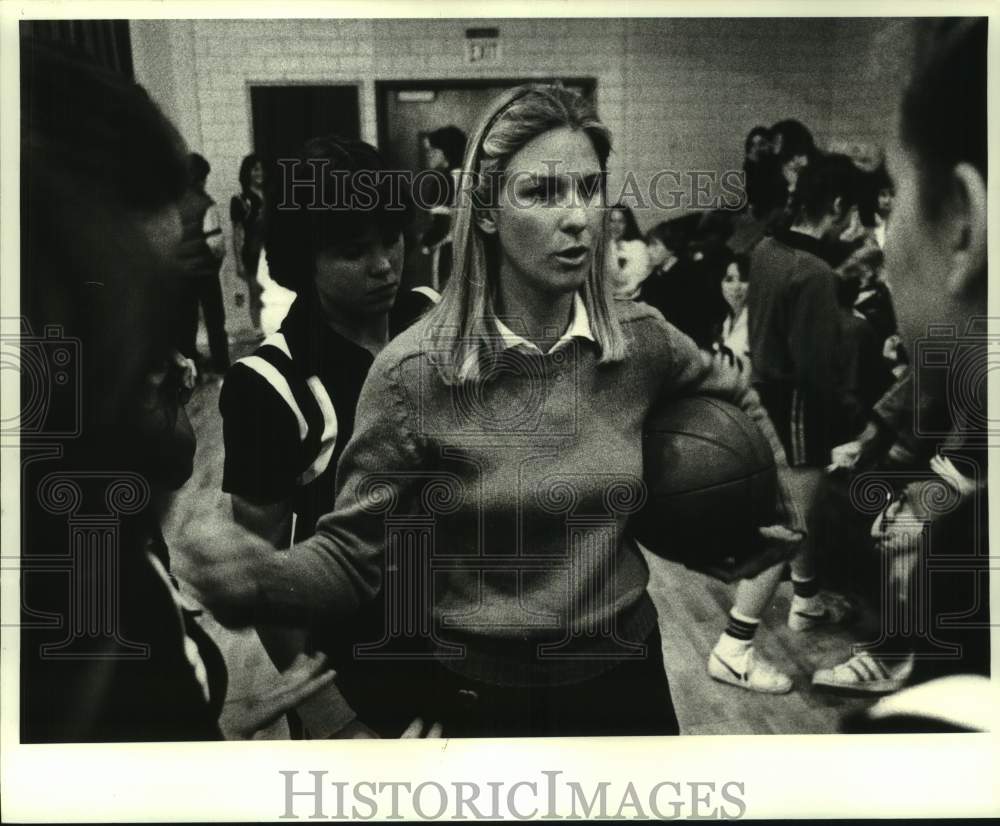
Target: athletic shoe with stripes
749, 671
865, 673
831, 610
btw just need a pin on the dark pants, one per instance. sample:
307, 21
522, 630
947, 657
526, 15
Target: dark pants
632, 698
205, 292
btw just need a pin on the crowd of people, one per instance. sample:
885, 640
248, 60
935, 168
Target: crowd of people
501, 411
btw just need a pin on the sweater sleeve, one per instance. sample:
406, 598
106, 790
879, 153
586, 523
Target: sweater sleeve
335, 571
691, 371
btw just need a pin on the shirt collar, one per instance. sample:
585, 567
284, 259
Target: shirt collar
579, 327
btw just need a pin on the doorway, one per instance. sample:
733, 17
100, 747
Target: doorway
285, 117
408, 109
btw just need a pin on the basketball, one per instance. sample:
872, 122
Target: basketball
711, 483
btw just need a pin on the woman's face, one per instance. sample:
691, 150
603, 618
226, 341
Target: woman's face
759, 147
616, 224
257, 174
657, 252
549, 215
884, 202
734, 288
362, 276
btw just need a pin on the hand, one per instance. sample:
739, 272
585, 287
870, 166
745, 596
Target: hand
890, 348
856, 453
306, 676
415, 731
779, 544
188, 371
220, 560
898, 528
962, 485
845, 456
897, 532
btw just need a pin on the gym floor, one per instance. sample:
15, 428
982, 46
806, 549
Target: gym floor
692, 611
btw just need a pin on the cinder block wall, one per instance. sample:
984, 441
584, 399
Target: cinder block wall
679, 94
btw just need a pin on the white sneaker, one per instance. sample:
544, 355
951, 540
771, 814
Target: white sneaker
827, 609
749, 671
865, 673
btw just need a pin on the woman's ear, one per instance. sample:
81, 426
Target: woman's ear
967, 233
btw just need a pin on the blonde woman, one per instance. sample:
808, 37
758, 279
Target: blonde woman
497, 457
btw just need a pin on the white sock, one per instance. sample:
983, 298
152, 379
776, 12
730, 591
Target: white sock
807, 605
730, 647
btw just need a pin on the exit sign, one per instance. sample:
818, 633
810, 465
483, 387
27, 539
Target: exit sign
483, 46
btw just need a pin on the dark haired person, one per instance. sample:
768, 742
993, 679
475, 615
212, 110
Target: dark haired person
734, 285
936, 254
757, 144
865, 373
201, 252
288, 408
665, 244
628, 263
444, 149
794, 147
102, 174
688, 295
795, 340
248, 216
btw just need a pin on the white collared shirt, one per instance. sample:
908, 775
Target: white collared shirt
579, 327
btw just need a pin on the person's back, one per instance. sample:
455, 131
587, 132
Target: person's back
790, 288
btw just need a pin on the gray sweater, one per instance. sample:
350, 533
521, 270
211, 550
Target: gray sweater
495, 514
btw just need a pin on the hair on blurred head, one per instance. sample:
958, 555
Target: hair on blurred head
943, 112
827, 178
451, 141
99, 164
246, 169
363, 198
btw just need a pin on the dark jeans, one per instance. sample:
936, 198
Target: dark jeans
206, 292
632, 698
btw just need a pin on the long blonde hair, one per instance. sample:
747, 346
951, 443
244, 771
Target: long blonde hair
459, 331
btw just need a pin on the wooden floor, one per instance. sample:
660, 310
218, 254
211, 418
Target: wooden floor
692, 612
